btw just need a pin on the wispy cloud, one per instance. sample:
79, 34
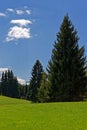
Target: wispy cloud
16, 33
20, 28
28, 11
10, 10
2, 14
23, 11
21, 22
19, 12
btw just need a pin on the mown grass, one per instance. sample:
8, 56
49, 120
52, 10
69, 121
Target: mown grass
22, 115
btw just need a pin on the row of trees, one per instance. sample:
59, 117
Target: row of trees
65, 77
9, 84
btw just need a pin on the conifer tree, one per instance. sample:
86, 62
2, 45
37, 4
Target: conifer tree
44, 90
35, 81
3, 82
67, 67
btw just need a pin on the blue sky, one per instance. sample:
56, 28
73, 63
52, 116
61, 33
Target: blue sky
28, 30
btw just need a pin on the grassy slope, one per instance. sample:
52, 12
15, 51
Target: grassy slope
22, 115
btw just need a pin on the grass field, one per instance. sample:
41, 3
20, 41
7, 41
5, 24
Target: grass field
22, 115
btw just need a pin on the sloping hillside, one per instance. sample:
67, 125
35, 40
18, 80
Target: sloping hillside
16, 114
8, 101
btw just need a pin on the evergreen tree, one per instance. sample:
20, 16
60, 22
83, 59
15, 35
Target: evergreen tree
23, 90
35, 81
43, 91
67, 67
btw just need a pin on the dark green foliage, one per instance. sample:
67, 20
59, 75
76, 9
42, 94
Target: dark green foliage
43, 91
67, 67
23, 89
35, 81
9, 84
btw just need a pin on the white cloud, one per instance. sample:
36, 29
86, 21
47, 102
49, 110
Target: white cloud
22, 12
17, 32
10, 10
3, 70
19, 12
21, 22
21, 81
28, 11
2, 14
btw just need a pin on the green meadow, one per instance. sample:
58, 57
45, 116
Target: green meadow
18, 114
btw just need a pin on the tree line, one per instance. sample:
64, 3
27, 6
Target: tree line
65, 77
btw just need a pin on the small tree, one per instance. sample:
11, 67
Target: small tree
43, 91
23, 90
35, 81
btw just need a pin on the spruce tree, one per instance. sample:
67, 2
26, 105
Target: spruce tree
35, 81
67, 67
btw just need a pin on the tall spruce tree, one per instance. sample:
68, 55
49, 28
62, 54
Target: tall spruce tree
35, 81
67, 67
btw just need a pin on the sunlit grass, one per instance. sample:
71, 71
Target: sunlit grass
22, 115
